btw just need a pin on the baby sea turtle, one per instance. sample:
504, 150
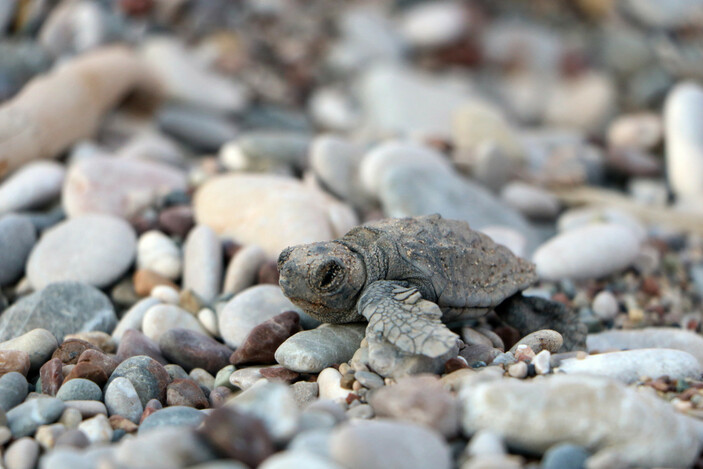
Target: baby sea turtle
409, 276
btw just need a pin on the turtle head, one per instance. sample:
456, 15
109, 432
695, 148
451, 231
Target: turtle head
324, 279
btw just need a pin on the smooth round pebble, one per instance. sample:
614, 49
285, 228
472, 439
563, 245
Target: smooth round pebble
161, 318
314, 350
79, 389
202, 263
13, 390
565, 456
243, 268
158, 253
25, 418
173, 416
17, 238
147, 376
31, 186
290, 459
605, 305
544, 339
22, 454
122, 399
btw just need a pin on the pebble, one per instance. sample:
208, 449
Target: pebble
314, 350
25, 418
518, 370
237, 435
587, 216
117, 186
665, 16
369, 380
650, 337
46, 435
191, 349
122, 399
176, 221
433, 25
250, 308
271, 211
479, 354
147, 376
204, 379
274, 404
97, 429
244, 378
187, 393
17, 238
70, 418
619, 424
80, 306
544, 339
263, 341
32, 186
304, 393
373, 443
87, 370
421, 399
641, 131
631, 365
584, 102
93, 249
155, 448
13, 390
133, 318
72, 438
152, 146
22, 453
336, 162
158, 253
165, 294
541, 362
565, 456
101, 340
79, 390
485, 443
605, 305
587, 253
266, 151
202, 129
531, 201
87, 409
161, 318
329, 385
243, 268
202, 263
70, 350
173, 416
333, 109
684, 145
135, 343
14, 360
291, 458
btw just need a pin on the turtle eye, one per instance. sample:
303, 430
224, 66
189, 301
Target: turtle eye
328, 274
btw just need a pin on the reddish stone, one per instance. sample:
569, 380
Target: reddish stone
219, 396
135, 343
268, 273
279, 373
509, 335
104, 361
69, 351
262, 342
479, 353
454, 364
177, 220
87, 370
237, 435
51, 374
186, 392
191, 349
150, 407
14, 360
650, 286
117, 422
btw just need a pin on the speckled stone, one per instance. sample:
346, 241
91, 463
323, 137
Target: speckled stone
155, 448
71, 349
147, 376
187, 393
79, 390
174, 416
544, 339
122, 399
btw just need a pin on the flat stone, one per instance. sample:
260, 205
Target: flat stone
631, 365
133, 318
146, 375
587, 253
14, 360
191, 349
619, 424
87, 409
271, 211
420, 399
531, 201
122, 399
373, 443
174, 416
62, 308
93, 249
73, 438
25, 418
155, 449
202, 263
13, 390
33, 185
243, 269
17, 238
135, 343
117, 186
250, 308
161, 318
105, 362
650, 337
304, 393
262, 342
317, 349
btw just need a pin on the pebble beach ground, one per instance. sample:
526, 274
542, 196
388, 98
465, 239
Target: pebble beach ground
157, 155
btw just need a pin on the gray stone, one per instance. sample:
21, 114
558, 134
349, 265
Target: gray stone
163, 447
651, 337
202, 263
79, 389
13, 390
313, 351
391, 362
32, 186
61, 308
173, 416
243, 269
72, 458
94, 249
204, 130
293, 459
266, 150
565, 456
632, 365
122, 399
163, 317
25, 418
316, 440
148, 377
38, 343
219, 465
87, 409
132, 319
369, 380
17, 237
336, 163
304, 393
274, 404
623, 426
380, 443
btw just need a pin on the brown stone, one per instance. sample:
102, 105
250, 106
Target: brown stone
186, 392
104, 361
237, 435
87, 370
268, 273
117, 422
69, 351
219, 396
51, 374
191, 349
102, 340
479, 353
262, 342
145, 280
454, 364
191, 301
14, 360
279, 373
134, 343
150, 407
177, 221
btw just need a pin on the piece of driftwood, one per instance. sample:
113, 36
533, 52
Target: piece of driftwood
667, 217
66, 105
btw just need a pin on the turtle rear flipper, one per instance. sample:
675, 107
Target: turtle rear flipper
404, 318
530, 313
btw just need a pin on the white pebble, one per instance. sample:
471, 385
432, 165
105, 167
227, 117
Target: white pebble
97, 429
165, 294
157, 252
541, 362
518, 370
329, 385
605, 305
208, 319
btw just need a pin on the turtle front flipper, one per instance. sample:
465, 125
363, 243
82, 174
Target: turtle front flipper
405, 319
